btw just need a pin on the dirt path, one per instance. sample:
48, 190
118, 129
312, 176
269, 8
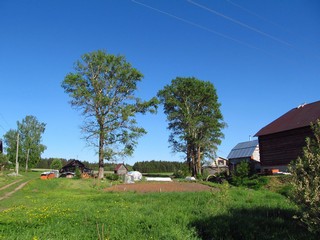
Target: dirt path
15, 190
8, 185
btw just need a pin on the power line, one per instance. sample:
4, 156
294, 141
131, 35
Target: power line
256, 15
276, 25
199, 26
240, 23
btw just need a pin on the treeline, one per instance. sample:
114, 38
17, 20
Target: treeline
157, 166
45, 163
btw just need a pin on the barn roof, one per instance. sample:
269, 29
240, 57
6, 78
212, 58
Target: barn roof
73, 165
298, 117
243, 149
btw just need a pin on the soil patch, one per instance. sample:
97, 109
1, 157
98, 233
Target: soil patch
143, 187
15, 190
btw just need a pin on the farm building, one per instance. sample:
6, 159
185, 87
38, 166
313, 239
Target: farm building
245, 151
282, 140
218, 165
70, 168
120, 169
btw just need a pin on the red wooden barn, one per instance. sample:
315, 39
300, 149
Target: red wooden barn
282, 140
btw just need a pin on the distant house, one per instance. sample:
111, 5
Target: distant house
282, 140
218, 165
247, 152
120, 169
70, 168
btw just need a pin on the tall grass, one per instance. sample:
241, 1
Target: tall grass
78, 209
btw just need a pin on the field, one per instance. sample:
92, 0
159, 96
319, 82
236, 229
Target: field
84, 209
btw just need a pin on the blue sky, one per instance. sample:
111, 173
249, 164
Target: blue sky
262, 56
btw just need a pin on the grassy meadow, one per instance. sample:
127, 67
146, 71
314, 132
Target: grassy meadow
81, 209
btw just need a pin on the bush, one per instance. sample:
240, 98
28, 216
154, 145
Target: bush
241, 174
56, 164
112, 176
181, 172
306, 181
77, 173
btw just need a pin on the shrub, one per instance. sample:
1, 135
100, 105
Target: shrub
306, 181
56, 164
112, 176
77, 173
181, 172
241, 174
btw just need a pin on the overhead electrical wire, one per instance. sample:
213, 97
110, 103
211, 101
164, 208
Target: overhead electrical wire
301, 51
239, 23
198, 25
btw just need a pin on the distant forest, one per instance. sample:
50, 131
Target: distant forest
157, 166
143, 167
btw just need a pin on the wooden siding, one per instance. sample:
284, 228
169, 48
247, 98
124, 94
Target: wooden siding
283, 147
121, 170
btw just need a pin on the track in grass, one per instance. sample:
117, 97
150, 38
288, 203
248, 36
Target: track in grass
8, 194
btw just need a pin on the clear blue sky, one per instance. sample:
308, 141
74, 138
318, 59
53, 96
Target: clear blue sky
262, 56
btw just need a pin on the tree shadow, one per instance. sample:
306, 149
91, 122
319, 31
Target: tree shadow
256, 223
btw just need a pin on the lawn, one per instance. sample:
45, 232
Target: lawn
81, 209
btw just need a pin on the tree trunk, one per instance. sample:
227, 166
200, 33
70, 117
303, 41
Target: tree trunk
194, 164
199, 160
189, 158
27, 160
101, 155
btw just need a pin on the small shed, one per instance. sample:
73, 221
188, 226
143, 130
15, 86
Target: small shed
120, 169
245, 151
218, 165
70, 168
283, 140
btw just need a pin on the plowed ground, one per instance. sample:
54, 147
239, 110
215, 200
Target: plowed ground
146, 187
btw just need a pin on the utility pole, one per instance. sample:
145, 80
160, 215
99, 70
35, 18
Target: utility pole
17, 163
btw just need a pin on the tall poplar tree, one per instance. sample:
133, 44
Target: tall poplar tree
102, 88
194, 117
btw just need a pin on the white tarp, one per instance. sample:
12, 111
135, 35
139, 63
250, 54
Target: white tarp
135, 175
190, 179
159, 179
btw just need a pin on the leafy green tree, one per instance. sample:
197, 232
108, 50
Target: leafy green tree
10, 141
195, 119
3, 161
306, 180
103, 88
30, 132
56, 164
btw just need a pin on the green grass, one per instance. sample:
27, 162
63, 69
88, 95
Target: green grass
80, 209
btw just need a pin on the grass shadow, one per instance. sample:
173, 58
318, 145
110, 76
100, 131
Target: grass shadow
257, 223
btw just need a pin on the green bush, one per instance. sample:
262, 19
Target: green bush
181, 172
77, 173
241, 174
306, 181
56, 164
112, 176
241, 177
